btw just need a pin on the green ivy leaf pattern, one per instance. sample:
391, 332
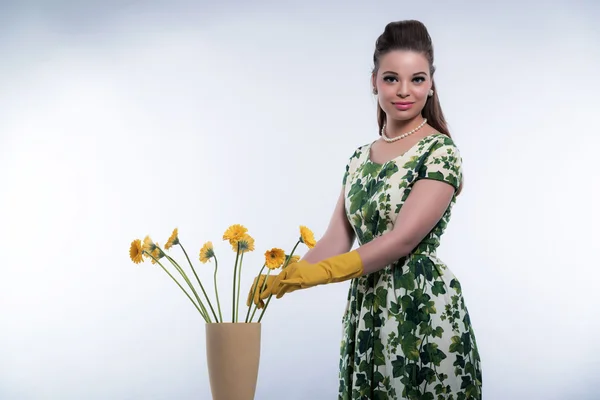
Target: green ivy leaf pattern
407, 331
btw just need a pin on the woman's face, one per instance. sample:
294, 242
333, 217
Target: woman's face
403, 83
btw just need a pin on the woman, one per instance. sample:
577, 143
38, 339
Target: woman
407, 332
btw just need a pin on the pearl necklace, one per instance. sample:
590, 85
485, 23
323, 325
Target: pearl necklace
390, 140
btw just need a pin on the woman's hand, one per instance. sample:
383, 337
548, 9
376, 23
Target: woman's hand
254, 295
302, 275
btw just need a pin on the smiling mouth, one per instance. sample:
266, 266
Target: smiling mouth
403, 106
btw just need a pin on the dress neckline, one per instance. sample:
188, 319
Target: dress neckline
394, 159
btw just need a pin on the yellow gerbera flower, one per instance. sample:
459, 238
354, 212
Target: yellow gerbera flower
274, 258
148, 246
246, 243
173, 240
206, 252
157, 254
136, 252
307, 237
234, 233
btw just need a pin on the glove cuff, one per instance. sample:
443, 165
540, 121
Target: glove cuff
346, 266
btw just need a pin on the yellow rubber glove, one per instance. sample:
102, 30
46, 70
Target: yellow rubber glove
259, 290
302, 275
259, 295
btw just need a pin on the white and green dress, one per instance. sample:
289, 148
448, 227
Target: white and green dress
407, 332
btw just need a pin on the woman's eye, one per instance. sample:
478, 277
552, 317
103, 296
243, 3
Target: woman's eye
418, 79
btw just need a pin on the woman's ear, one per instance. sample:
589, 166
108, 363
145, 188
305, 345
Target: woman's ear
374, 82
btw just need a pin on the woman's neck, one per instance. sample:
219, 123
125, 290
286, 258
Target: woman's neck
396, 128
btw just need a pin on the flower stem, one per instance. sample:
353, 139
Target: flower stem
217, 289
234, 276
178, 284
284, 266
265, 307
254, 293
239, 280
261, 290
200, 283
185, 277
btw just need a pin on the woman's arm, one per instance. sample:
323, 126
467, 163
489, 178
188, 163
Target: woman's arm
422, 210
338, 238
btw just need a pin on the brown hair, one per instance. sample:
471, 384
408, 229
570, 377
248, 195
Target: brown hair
411, 35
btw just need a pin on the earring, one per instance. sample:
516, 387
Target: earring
374, 91
431, 93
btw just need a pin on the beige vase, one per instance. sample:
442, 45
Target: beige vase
233, 355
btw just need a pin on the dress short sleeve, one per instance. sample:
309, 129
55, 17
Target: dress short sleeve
442, 162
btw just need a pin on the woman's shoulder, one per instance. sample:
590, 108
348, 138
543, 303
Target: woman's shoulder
440, 143
358, 152
441, 139
355, 158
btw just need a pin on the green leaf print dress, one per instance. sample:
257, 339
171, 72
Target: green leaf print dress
407, 333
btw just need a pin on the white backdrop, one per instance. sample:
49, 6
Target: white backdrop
121, 121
